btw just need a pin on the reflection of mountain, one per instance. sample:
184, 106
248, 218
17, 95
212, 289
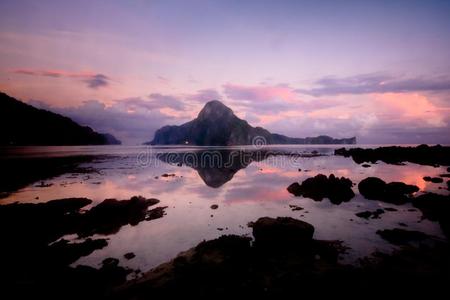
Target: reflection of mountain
217, 167
217, 125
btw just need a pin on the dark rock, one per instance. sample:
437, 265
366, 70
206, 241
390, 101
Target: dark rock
373, 214
18, 172
365, 165
42, 184
214, 206
445, 175
282, 231
423, 154
111, 214
399, 236
390, 209
65, 253
168, 175
156, 213
435, 207
129, 255
295, 207
338, 190
433, 179
374, 188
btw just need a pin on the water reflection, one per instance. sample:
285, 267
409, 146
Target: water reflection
217, 167
250, 186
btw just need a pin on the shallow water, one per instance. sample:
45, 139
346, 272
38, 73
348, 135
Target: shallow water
252, 188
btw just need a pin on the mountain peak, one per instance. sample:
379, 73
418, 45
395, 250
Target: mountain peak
215, 109
217, 125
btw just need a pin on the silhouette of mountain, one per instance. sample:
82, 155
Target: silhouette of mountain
23, 124
217, 125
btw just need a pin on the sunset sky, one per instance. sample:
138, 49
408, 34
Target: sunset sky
377, 70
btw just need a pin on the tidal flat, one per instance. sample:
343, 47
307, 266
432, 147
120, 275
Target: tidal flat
125, 222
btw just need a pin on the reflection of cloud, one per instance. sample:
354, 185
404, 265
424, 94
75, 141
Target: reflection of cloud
93, 80
376, 83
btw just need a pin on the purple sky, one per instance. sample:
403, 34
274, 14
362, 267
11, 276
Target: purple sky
378, 70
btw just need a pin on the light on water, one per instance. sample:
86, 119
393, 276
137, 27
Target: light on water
243, 191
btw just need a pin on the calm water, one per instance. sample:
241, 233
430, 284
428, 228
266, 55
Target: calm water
244, 191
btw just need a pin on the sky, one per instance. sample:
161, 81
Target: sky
377, 70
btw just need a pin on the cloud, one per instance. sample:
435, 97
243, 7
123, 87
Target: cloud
162, 79
91, 79
259, 93
96, 81
376, 83
390, 118
161, 101
273, 98
125, 118
204, 95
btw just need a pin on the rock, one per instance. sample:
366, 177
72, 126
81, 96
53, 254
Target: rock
338, 190
423, 154
129, 255
399, 236
65, 253
156, 213
390, 209
445, 175
365, 165
282, 231
374, 188
214, 206
433, 179
295, 207
110, 261
42, 185
168, 175
111, 214
373, 214
435, 207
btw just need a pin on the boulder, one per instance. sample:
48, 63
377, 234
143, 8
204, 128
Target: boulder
282, 232
374, 188
336, 189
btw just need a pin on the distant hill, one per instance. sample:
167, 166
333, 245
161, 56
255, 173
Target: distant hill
23, 124
217, 125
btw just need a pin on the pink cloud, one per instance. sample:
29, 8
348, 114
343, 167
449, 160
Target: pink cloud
404, 107
259, 93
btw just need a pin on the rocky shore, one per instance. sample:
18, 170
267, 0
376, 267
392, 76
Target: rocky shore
423, 155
